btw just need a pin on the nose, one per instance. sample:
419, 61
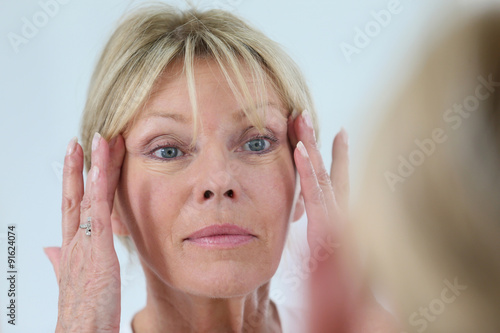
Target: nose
217, 178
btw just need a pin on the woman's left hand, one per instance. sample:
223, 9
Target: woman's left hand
326, 202
338, 302
326, 195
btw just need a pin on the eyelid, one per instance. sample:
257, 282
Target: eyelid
263, 136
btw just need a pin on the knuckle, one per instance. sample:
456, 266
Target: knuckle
69, 168
69, 203
324, 178
314, 144
85, 203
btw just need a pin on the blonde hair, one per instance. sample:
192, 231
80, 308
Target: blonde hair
429, 211
156, 35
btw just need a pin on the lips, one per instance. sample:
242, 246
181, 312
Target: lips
226, 235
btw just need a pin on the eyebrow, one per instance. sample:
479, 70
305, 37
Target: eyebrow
238, 116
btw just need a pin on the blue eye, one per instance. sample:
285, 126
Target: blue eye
257, 144
167, 152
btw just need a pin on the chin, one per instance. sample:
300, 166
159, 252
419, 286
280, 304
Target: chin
227, 279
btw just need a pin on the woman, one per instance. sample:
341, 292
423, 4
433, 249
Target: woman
195, 161
429, 214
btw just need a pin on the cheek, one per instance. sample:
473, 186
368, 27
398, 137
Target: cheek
153, 202
270, 189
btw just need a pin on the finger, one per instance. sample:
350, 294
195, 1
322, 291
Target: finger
116, 155
314, 198
72, 190
340, 170
102, 236
54, 255
305, 133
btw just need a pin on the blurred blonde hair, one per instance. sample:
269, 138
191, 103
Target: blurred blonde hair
429, 208
153, 36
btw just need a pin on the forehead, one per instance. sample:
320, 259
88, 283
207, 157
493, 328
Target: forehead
171, 94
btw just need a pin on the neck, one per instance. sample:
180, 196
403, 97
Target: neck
173, 310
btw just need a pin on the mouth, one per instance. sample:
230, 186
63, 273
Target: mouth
220, 236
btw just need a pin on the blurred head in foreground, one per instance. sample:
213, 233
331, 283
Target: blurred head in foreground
429, 214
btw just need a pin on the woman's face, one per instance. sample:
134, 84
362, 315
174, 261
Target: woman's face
232, 177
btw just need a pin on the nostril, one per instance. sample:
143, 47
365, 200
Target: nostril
207, 194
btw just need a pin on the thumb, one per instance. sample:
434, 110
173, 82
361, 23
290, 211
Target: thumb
54, 255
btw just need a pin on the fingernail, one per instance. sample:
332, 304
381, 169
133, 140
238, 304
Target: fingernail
95, 141
71, 146
345, 137
302, 149
307, 118
95, 173
295, 113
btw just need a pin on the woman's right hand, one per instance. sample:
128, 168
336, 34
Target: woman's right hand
87, 267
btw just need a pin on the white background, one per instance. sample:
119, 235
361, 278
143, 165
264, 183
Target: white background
43, 85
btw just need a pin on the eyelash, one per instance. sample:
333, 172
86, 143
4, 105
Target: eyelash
271, 138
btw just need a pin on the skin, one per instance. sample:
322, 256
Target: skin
160, 203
